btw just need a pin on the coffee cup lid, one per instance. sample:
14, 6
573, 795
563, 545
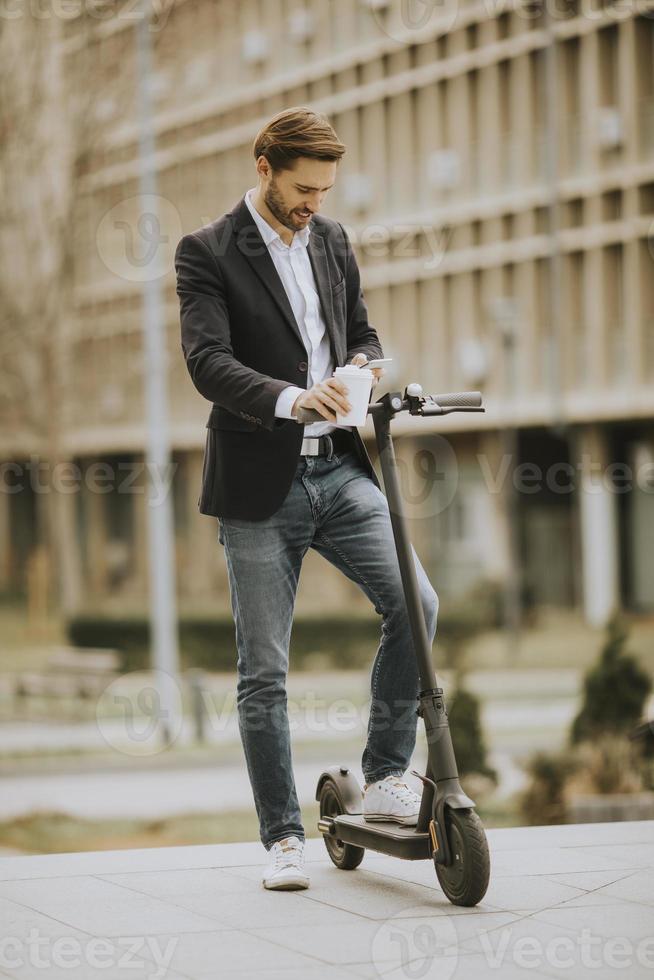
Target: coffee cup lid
354, 369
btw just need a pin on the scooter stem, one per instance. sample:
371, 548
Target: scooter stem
442, 778
388, 461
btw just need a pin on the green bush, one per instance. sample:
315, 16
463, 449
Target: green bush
600, 758
210, 643
324, 642
467, 735
615, 690
543, 802
609, 764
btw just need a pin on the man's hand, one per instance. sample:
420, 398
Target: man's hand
325, 397
360, 359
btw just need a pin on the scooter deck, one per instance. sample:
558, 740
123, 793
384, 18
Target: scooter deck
389, 838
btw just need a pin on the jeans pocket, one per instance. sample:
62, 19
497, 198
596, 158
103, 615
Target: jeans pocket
348, 456
220, 531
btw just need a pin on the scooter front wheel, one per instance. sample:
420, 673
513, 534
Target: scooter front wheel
465, 880
347, 857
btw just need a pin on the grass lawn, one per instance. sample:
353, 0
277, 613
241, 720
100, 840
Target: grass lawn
58, 833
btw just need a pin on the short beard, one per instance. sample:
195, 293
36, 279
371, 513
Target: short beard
275, 205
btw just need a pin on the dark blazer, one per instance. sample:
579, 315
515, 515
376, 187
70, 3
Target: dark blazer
242, 347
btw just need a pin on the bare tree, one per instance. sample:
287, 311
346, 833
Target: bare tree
47, 126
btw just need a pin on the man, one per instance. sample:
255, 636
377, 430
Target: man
270, 305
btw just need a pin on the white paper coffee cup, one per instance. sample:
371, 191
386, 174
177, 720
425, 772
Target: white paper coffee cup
358, 381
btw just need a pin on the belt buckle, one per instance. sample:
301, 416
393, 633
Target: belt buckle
310, 446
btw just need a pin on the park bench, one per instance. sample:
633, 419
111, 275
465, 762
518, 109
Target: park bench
70, 673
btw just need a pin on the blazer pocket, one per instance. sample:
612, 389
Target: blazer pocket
338, 288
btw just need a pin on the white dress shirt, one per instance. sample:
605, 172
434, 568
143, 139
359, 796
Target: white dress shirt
294, 268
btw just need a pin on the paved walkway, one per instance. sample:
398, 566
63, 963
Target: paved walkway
564, 902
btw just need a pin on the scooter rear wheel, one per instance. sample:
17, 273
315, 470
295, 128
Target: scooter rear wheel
347, 857
465, 881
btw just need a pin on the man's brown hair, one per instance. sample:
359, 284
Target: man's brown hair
294, 133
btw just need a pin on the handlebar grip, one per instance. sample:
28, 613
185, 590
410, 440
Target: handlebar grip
459, 399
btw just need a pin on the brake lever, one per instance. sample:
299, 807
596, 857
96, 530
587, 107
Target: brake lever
427, 405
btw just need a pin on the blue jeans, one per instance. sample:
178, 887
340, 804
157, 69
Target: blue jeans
334, 507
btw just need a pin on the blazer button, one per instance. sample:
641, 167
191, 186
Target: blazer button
302, 366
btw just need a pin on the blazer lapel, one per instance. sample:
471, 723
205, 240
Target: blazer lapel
253, 247
320, 266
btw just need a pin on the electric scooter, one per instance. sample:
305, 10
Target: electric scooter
449, 831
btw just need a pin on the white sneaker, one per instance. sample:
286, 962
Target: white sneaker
391, 799
286, 869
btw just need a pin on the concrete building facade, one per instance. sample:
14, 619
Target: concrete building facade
498, 187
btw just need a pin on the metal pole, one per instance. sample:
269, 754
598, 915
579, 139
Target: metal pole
512, 592
504, 311
197, 686
554, 295
163, 613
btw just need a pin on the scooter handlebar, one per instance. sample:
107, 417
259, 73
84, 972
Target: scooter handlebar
459, 399
452, 400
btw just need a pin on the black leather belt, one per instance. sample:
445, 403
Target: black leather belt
338, 441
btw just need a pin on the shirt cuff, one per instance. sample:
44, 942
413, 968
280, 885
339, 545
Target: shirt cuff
286, 400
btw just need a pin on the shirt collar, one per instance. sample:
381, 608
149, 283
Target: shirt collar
268, 233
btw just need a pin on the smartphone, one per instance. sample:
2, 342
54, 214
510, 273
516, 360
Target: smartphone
377, 363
